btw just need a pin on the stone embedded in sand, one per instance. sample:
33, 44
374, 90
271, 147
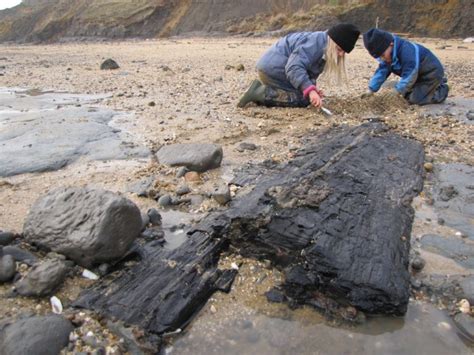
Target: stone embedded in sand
109, 64
6, 238
7, 268
35, 335
196, 157
43, 279
221, 194
87, 225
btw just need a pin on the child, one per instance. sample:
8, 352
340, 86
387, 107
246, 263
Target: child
422, 75
289, 69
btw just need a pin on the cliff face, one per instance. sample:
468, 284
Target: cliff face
52, 20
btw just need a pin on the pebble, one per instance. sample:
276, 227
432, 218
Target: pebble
183, 190
104, 269
154, 216
428, 167
470, 115
89, 275
213, 309
418, 263
6, 238
221, 194
165, 200
246, 146
109, 64
7, 268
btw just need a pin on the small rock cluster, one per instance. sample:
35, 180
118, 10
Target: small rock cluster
69, 228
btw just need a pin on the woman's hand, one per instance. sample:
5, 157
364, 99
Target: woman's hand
315, 99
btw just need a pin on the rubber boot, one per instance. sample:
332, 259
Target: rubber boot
255, 93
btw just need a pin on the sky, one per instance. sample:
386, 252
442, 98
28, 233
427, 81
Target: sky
8, 3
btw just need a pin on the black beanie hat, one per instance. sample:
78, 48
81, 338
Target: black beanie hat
345, 35
377, 41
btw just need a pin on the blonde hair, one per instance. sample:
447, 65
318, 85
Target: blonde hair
335, 68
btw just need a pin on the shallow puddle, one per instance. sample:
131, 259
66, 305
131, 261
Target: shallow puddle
424, 330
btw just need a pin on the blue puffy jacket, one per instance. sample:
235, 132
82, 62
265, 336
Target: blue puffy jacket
406, 63
297, 58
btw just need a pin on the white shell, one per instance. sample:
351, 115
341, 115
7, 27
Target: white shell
56, 305
89, 275
464, 306
234, 266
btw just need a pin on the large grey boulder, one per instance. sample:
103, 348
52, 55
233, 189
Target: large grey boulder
43, 279
87, 225
196, 157
36, 335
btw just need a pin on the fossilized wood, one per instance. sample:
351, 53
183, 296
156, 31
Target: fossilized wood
165, 289
337, 219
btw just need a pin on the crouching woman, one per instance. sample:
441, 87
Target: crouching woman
422, 79
289, 69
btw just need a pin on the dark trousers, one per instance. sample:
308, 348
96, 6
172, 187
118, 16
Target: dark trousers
431, 86
281, 93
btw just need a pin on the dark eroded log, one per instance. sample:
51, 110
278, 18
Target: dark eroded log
163, 291
337, 219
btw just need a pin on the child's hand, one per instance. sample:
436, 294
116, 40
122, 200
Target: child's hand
315, 99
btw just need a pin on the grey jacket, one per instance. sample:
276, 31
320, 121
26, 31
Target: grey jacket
297, 58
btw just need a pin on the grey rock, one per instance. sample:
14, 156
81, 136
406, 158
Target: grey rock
36, 335
153, 234
246, 146
183, 190
20, 255
221, 194
154, 216
88, 226
470, 115
196, 157
43, 279
418, 263
165, 200
104, 269
109, 64
6, 238
465, 325
7, 268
